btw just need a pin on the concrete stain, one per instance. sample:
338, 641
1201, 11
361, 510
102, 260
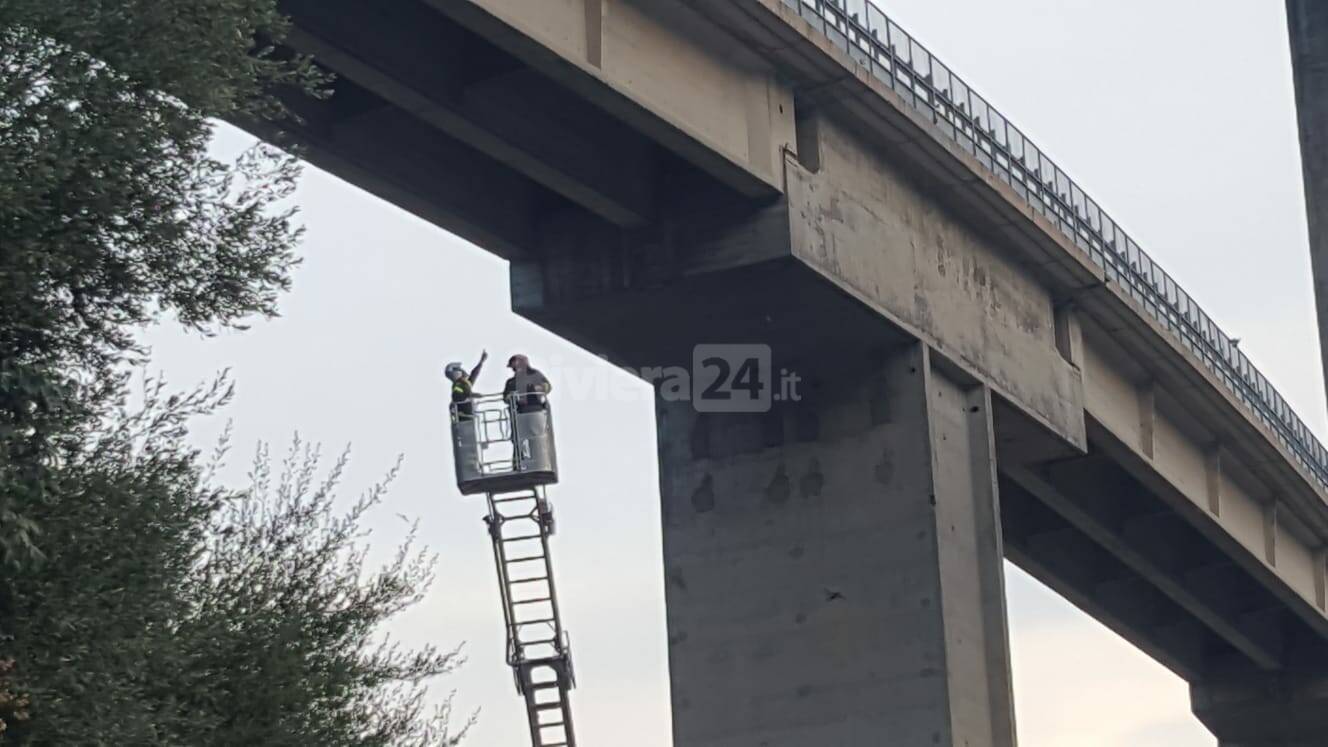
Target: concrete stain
1030, 321
834, 211
676, 578
922, 308
885, 469
703, 498
980, 275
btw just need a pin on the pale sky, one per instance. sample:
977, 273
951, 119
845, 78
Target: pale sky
1177, 118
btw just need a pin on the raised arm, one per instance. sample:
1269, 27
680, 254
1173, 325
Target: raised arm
475, 372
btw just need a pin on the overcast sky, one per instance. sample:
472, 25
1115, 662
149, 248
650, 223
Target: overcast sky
1176, 115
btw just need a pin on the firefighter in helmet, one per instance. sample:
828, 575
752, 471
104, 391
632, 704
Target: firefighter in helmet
463, 386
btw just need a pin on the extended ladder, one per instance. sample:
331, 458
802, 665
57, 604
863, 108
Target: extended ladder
538, 650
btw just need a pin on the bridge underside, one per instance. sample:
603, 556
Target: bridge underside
947, 415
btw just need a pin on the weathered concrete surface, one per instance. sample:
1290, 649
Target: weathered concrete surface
864, 224
1308, 22
843, 586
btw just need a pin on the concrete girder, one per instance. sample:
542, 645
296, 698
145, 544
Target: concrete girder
582, 48
1070, 563
1218, 540
416, 60
404, 161
1084, 504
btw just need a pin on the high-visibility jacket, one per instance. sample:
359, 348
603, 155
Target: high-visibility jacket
461, 393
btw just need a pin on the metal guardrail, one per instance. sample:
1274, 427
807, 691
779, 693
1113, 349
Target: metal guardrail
863, 31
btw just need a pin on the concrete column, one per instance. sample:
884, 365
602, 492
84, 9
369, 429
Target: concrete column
1307, 22
834, 568
1264, 709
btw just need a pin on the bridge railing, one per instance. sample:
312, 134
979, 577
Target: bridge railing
961, 115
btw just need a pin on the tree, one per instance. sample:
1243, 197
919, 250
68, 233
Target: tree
169, 610
112, 211
140, 603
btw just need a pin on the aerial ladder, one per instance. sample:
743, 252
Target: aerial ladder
504, 449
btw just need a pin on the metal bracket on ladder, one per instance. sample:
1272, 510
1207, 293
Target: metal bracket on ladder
538, 649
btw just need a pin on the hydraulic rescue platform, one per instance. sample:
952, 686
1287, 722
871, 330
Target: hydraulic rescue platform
504, 449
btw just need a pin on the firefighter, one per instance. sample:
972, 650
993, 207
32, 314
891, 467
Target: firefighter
527, 386
463, 386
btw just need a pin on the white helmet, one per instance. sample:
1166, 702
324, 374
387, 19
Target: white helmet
454, 371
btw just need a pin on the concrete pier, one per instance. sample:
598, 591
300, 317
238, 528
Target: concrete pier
834, 570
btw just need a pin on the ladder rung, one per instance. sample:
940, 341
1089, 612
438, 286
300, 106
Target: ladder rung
531, 601
536, 622
515, 498
527, 580
523, 537
526, 559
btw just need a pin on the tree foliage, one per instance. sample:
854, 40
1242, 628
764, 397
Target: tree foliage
169, 610
112, 211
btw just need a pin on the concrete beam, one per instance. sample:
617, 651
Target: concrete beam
661, 69
400, 159
1216, 538
1065, 559
417, 60
1084, 502
868, 226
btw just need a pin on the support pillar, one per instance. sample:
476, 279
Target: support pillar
1307, 22
834, 567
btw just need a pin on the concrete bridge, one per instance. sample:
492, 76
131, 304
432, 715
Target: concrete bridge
991, 366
